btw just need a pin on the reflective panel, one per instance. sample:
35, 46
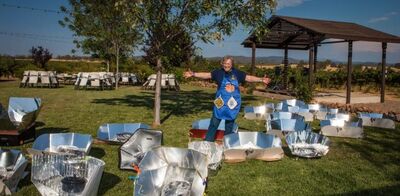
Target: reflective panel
167, 170
307, 144
341, 128
63, 143
22, 113
119, 132
289, 125
205, 123
338, 116
200, 127
285, 115
134, 149
252, 145
258, 112
55, 174
12, 166
211, 149
376, 120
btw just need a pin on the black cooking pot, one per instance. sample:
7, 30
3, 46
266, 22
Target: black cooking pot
73, 184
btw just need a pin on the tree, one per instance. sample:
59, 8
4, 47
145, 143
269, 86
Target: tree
40, 56
204, 20
102, 28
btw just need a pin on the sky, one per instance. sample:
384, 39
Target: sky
21, 28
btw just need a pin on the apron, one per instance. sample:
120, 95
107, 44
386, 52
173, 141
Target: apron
227, 104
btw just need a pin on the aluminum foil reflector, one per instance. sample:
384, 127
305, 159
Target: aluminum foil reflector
55, 174
258, 112
64, 143
376, 120
252, 145
307, 144
119, 132
12, 166
168, 171
342, 128
22, 113
200, 127
213, 151
133, 150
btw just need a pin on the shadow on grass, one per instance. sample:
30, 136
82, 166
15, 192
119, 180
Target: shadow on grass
180, 103
379, 146
97, 152
108, 181
51, 130
387, 190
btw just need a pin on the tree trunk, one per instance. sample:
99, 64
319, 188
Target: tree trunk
108, 66
117, 72
157, 98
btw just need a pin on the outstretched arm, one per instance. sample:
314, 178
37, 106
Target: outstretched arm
265, 80
201, 75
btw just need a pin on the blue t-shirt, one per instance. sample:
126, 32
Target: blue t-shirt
218, 75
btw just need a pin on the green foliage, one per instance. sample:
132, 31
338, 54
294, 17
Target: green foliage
101, 28
301, 88
40, 56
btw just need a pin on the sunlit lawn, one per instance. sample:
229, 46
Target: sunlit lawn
353, 166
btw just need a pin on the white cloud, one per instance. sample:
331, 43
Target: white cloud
289, 3
378, 19
382, 18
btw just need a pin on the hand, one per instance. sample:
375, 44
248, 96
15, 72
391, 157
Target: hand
188, 74
266, 80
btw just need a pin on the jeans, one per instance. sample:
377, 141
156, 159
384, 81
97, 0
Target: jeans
212, 129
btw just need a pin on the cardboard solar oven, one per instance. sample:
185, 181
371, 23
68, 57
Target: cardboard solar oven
62, 143
252, 145
297, 107
213, 151
341, 125
12, 167
376, 120
118, 132
17, 124
200, 127
307, 144
281, 127
134, 149
55, 174
39, 79
258, 112
168, 81
172, 171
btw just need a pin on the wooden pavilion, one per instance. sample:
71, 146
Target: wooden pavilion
291, 33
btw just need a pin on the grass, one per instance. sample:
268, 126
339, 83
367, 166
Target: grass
368, 166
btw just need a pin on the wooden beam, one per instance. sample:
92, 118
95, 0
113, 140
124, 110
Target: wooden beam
349, 70
253, 58
289, 39
285, 69
315, 57
383, 72
310, 67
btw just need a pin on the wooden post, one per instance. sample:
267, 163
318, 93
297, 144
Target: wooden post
349, 68
253, 57
310, 67
383, 71
315, 57
285, 69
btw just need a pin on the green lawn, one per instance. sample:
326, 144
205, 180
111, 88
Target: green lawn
369, 166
